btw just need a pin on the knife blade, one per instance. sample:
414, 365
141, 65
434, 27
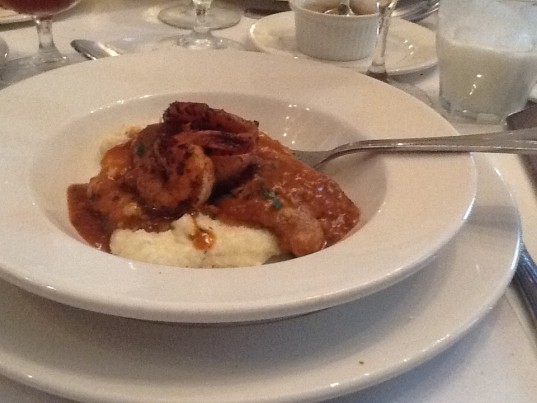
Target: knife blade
525, 278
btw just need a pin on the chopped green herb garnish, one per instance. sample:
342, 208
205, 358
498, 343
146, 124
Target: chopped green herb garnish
277, 204
271, 195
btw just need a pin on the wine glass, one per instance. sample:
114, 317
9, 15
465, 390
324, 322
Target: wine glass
377, 69
201, 37
183, 15
48, 57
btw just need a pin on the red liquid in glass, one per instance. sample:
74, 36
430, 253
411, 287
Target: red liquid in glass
37, 7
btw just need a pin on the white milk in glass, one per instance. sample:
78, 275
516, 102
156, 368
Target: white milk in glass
487, 56
478, 82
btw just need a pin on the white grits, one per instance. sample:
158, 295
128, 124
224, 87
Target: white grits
234, 246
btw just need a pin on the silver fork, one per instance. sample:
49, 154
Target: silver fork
525, 278
523, 141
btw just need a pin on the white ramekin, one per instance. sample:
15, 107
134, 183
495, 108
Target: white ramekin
333, 37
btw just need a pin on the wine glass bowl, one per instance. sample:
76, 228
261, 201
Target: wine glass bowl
38, 8
201, 37
48, 57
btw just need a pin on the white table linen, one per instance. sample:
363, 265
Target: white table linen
495, 363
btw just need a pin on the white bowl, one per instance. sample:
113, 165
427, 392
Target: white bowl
330, 36
411, 205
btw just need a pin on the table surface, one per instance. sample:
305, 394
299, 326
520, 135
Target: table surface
495, 362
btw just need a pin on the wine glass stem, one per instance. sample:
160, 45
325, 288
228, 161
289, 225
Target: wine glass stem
378, 64
47, 53
200, 26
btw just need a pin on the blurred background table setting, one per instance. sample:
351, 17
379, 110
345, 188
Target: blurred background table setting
446, 326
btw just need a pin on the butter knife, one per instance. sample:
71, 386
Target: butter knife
525, 278
93, 50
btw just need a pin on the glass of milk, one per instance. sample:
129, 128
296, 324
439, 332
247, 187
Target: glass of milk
487, 56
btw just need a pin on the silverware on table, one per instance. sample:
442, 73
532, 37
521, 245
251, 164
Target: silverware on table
525, 278
93, 49
522, 141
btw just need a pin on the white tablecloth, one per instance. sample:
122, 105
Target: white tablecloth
495, 363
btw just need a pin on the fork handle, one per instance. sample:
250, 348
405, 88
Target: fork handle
522, 141
526, 280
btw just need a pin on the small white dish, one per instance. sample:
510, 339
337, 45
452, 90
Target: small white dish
86, 356
330, 36
411, 205
410, 48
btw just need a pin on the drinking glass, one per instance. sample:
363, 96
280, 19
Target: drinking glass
377, 69
487, 57
201, 37
48, 56
183, 15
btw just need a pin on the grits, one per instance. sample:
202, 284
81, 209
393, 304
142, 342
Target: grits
232, 246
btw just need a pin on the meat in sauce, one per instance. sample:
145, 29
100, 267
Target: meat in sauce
201, 159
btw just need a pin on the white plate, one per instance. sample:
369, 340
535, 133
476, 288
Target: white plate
411, 205
410, 47
92, 357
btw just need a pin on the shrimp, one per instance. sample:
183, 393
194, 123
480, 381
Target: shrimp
187, 116
228, 139
170, 176
167, 172
231, 154
299, 230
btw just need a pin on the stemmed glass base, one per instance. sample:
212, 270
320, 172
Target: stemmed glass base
47, 58
196, 41
378, 64
184, 16
25, 67
201, 38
